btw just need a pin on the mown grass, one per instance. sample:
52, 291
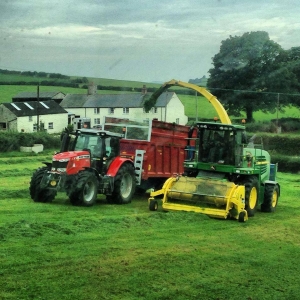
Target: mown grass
58, 251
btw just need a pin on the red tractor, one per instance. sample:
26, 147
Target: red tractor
88, 164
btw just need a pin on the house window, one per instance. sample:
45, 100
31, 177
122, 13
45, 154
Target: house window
125, 110
30, 118
96, 110
177, 120
152, 110
97, 121
34, 127
50, 125
111, 110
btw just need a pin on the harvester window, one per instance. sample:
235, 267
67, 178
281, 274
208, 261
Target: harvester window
213, 146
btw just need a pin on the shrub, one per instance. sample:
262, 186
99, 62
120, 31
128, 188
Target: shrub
286, 163
286, 124
11, 141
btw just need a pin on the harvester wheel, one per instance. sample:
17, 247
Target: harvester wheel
86, 189
124, 185
270, 198
37, 193
251, 194
153, 205
242, 216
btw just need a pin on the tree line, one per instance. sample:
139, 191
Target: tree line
251, 73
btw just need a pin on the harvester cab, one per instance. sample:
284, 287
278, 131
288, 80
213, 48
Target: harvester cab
214, 146
223, 177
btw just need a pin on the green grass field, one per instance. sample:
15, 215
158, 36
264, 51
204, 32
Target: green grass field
58, 251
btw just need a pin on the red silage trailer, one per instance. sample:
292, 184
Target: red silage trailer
157, 148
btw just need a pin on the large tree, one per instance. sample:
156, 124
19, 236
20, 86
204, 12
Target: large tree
249, 73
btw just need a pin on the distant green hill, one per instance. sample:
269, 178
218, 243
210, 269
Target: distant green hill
42, 78
14, 82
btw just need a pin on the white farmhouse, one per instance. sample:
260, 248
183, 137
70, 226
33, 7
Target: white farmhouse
168, 107
24, 116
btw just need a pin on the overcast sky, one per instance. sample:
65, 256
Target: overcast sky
142, 40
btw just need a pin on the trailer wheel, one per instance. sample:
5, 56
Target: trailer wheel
153, 205
270, 198
124, 185
86, 189
251, 194
38, 194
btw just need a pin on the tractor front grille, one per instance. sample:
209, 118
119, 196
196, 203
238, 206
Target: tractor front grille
59, 166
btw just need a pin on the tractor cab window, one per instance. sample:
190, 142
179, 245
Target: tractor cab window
91, 142
112, 147
80, 142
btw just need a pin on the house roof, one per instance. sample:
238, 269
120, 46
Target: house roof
112, 100
22, 109
74, 100
33, 95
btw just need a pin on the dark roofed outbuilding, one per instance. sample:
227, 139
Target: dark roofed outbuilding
21, 109
43, 96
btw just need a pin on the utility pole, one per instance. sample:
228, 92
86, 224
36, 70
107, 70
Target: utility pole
37, 109
196, 107
277, 121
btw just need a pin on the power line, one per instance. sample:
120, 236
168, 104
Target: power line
256, 92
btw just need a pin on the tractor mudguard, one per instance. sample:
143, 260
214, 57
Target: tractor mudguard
116, 165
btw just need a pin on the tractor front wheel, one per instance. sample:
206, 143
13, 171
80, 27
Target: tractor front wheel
270, 198
37, 193
85, 190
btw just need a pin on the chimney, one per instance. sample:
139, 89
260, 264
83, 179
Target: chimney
144, 89
92, 89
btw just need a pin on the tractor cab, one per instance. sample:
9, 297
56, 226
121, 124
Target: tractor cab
103, 146
98, 146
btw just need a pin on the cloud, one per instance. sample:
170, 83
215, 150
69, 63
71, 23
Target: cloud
134, 39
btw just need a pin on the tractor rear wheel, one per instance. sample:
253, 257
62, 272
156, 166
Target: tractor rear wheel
37, 193
124, 185
85, 190
251, 194
270, 198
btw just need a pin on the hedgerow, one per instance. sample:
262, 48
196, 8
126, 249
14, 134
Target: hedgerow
12, 141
